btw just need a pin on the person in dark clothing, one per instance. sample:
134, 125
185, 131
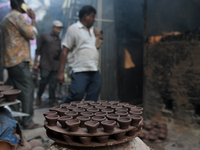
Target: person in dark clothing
49, 49
1, 67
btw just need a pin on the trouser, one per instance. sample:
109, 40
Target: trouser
20, 78
48, 77
82, 83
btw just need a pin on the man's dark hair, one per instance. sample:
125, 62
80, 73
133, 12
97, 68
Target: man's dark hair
86, 10
15, 4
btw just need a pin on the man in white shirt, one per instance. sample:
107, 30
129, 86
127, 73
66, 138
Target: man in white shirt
82, 57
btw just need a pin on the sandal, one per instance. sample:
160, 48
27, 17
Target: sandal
33, 126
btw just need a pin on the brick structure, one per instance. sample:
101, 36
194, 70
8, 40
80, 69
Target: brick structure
172, 78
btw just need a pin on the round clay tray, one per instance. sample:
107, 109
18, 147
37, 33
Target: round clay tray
56, 133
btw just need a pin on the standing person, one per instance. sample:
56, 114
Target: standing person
16, 33
49, 49
82, 57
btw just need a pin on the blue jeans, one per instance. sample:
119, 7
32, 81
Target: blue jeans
88, 83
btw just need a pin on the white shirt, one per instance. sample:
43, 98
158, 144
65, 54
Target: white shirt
83, 54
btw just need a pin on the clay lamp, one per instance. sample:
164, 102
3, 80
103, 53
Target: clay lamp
99, 119
108, 125
62, 120
121, 109
106, 104
102, 101
148, 127
122, 113
112, 116
135, 120
142, 135
162, 136
124, 122
62, 111
81, 105
88, 102
71, 107
101, 114
64, 105
113, 102
137, 108
132, 132
52, 120
68, 138
95, 104
116, 106
74, 103
108, 110
50, 113
86, 107
123, 104
93, 110
130, 106
119, 136
152, 137
88, 114
134, 115
154, 123
54, 108
132, 112
72, 113
79, 110
73, 125
85, 140
83, 119
100, 107
102, 139
10, 95
92, 126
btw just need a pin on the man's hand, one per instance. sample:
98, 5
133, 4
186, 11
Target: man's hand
31, 14
60, 77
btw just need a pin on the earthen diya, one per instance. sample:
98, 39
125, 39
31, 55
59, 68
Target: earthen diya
83, 119
113, 102
102, 139
72, 113
52, 120
54, 108
93, 110
108, 125
122, 113
100, 107
70, 107
88, 114
112, 116
62, 120
50, 113
119, 136
95, 104
124, 122
62, 111
108, 105
79, 110
122, 104
135, 120
92, 126
132, 112
130, 106
108, 110
85, 139
101, 114
99, 119
64, 105
73, 125
137, 108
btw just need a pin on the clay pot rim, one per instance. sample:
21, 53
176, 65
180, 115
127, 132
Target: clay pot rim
83, 118
62, 109
105, 113
54, 108
65, 117
109, 122
122, 104
87, 112
10, 92
79, 109
71, 113
94, 123
98, 117
50, 112
135, 117
72, 122
119, 119
51, 117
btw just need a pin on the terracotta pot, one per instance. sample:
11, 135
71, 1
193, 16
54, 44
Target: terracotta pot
93, 110
108, 125
137, 108
100, 107
62, 111
122, 113
88, 114
122, 104
130, 106
108, 110
162, 136
102, 101
113, 102
54, 108
81, 105
83, 119
92, 126
99, 119
132, 112
95, 104
72, 113
142, 135
85, 140
11, 95
135, 120
152, 137
50, 113
102, 139
121, 109
64, 105
52, 120
101, 114
132, 132
108, 105
71, 107
68, 138
119, 136
5, 87
62, 120
79, 110
74, 103
123, 122
112, 116
73, 125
